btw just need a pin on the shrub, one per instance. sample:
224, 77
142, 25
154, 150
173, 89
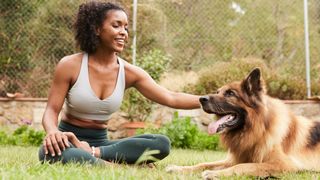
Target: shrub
184, 134
280, 84
135, 104
286, 87
155, 62
216, 75
23, 136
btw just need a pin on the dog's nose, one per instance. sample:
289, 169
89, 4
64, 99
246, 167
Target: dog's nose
204, 99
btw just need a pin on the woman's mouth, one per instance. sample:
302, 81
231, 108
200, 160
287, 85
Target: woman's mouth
120, 41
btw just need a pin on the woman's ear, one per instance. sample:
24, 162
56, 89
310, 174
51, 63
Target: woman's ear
98, 31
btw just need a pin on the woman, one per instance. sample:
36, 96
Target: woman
92, 84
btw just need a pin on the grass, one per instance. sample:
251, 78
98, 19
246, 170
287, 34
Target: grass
22, 163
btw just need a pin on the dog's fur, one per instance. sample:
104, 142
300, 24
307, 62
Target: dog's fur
263, 137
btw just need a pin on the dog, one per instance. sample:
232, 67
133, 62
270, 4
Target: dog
263, 137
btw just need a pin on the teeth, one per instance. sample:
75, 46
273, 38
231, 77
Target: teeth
120, 40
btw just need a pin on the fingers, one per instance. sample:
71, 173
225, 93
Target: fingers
68, 134
45, 146
65, 140
55, 143
72, 138
60, 142
85, 143
85, 146
49, 146
55, 146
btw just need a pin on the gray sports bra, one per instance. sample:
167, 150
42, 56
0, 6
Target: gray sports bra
82, 102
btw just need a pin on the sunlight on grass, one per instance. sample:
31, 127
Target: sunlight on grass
22, 163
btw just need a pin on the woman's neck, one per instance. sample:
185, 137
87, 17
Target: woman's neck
104, 57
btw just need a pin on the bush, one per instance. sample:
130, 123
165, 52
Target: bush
217, 75
286, 87
185, 134
23, 136
279, 84
135, 104
155, 62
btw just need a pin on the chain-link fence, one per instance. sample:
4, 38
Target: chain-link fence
36, 34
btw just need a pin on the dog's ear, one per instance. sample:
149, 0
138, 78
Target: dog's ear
253, 84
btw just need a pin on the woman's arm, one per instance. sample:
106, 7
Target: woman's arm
143, 82
55, 141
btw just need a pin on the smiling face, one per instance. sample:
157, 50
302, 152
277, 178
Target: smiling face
114, 31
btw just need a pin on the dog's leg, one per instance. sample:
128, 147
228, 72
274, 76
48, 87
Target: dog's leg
251, 169
202, 166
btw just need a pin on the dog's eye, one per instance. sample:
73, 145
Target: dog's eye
229, 93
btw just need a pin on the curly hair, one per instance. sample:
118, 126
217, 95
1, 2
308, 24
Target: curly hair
90, 17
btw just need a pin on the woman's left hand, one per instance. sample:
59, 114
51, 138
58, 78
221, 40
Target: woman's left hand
76, 142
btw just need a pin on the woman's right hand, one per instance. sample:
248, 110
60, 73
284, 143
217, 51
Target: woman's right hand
55, 142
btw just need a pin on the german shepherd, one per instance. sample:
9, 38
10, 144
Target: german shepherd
262, 136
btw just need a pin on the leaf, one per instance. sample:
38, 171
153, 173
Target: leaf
147, 156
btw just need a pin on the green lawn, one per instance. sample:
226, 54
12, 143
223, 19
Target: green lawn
22, 163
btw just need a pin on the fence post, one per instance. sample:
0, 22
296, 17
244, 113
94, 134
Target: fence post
134, 31
306, 35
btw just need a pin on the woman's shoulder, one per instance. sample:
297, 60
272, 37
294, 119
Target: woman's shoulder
71, 61
134, 73
69, 66
131, 68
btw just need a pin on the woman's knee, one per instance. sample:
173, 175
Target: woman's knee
77, 155
164, 144
41, 153
43, 157
71, 154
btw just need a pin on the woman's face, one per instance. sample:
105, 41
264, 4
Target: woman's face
114, 31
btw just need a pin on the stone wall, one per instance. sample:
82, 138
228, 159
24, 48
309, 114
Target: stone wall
16, 112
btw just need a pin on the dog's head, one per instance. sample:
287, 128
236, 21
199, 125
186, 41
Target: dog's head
232, 102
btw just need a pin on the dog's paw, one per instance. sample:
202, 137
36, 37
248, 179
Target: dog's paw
210, 175
173, 168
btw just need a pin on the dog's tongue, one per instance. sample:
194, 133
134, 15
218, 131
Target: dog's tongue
212, 128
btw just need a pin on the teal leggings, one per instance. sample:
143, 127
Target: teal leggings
127, 150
